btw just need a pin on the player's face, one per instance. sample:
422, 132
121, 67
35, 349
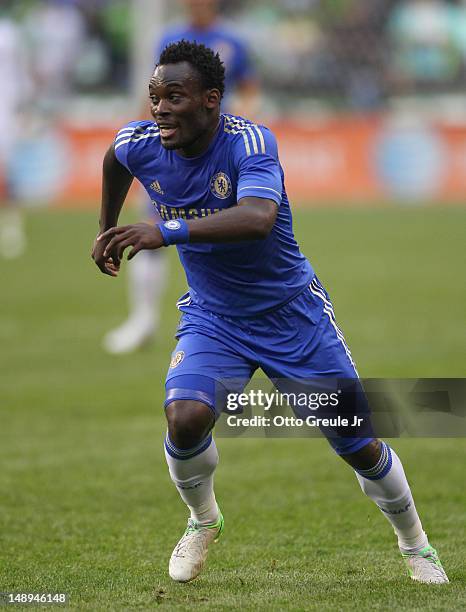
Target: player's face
186, 114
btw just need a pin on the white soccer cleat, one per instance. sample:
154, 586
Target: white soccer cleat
190, 553
425, 566
131, 336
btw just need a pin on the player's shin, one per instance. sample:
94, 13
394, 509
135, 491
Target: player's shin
147, 277
387, 486
192, 471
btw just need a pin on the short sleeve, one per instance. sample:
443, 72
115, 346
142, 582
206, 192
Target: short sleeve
259, 173
123, 141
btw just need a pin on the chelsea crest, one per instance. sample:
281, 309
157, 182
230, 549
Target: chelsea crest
220, 185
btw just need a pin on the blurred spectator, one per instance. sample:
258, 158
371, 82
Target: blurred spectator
16, 88
203, 24
106, 61
287, 41
458, 32
356, 40
115, 20
423, 50
335, 52
55, 30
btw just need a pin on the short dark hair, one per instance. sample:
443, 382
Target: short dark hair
207, 63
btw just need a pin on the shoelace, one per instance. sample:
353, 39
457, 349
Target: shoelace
192, 526
186, 541
429, 555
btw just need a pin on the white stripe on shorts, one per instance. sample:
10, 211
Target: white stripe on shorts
328, 309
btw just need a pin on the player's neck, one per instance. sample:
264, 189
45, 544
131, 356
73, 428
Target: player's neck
200, 146
204, 23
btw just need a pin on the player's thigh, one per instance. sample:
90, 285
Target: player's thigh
329, 354
326, 373
303, 341
205, 369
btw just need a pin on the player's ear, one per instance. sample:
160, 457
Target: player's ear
212, 98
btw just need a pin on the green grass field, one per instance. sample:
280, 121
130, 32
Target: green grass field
86, 505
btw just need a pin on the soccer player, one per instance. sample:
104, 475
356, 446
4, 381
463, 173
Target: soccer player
13, 72
147, 274
253, 301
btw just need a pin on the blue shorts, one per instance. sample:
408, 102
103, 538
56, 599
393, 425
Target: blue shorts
298, 342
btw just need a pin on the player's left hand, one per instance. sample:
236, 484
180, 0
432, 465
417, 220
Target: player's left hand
139, 236
105, 264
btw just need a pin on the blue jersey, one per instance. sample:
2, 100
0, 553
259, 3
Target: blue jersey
234, 279
232, 50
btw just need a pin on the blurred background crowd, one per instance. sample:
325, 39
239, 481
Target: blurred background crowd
74, 71
346, 53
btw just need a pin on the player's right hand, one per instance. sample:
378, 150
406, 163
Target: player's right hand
106, 263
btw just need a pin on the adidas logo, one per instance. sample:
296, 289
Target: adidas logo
155, 185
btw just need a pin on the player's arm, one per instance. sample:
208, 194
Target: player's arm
252, 219
116, 181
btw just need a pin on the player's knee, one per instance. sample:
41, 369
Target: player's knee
189, 422
366, 457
